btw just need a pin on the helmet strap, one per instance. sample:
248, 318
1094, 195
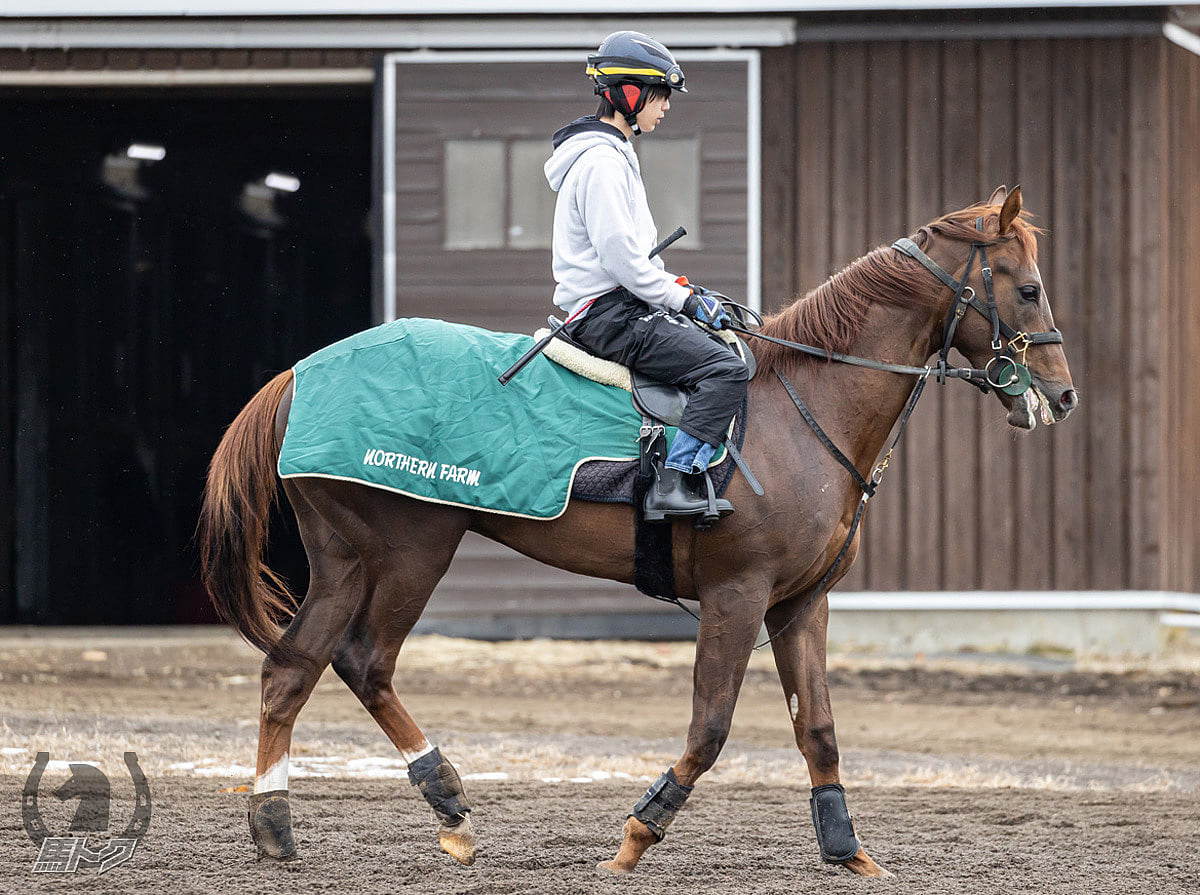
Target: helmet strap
628, 99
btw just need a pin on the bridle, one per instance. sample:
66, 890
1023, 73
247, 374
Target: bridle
1003, 372
1009, 375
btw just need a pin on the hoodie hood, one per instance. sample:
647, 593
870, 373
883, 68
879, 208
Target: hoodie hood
582, 126
575, 139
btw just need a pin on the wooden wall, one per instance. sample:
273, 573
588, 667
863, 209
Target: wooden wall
1180, 167
877, 138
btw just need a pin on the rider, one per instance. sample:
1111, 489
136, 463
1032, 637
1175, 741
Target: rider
621, 305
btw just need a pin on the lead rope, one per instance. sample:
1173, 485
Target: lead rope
868, 488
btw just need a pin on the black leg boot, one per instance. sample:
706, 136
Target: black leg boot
675, 494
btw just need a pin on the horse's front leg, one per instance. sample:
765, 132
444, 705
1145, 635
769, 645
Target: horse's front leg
729, 621
800, 658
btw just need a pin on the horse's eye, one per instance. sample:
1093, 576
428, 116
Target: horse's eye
1029, 293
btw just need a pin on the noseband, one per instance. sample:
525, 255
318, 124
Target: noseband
1003, 372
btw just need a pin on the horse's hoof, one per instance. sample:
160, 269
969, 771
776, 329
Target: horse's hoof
864, 865
636, 838
612, 868
458, 841
270, 819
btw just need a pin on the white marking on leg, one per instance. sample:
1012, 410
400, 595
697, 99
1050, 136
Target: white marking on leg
274, 778
794, 707
410, 757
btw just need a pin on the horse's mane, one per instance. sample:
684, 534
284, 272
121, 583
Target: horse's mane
830, 316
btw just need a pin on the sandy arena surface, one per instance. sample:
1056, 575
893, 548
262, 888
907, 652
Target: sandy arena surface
967, 774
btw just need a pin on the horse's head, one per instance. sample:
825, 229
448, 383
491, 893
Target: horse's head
1020, 335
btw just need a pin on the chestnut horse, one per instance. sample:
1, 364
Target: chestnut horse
376, 556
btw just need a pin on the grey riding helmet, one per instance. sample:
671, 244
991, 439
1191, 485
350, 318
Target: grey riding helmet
625, 64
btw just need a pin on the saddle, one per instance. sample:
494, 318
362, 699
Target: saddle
661, 404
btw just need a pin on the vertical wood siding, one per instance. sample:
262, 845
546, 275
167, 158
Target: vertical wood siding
1180, 385
1101, 135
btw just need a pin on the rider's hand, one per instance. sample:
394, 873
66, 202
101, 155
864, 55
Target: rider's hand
704, 307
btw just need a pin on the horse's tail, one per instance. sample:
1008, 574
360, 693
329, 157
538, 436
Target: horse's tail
232, 531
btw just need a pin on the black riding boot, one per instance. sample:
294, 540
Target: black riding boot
675, 493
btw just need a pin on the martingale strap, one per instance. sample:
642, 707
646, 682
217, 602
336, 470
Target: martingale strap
867, 487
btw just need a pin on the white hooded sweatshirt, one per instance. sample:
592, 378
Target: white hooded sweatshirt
603, 230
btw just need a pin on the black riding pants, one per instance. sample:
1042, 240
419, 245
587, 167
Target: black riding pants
670, 348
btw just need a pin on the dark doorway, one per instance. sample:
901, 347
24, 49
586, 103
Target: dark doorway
143, 302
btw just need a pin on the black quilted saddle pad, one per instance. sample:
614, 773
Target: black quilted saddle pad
612, 481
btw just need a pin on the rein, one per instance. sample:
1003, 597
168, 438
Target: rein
1010, 376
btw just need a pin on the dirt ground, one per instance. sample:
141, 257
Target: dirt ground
966, 774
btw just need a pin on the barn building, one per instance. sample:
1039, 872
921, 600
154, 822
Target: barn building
193, 200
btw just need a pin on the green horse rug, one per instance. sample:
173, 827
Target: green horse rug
414, 407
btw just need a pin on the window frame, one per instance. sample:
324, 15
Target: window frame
390, 62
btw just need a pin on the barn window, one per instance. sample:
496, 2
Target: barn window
474, 194
496, 195
671, 172
532, 219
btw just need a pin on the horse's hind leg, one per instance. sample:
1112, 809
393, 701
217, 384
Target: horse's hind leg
399, 582
800, 658
291, 670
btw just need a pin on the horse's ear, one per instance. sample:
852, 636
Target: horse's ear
1010, 209
998, 195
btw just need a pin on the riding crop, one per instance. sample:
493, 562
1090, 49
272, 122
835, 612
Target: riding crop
557, 328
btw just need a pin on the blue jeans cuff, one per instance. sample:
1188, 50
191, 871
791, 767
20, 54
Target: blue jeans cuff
688, 453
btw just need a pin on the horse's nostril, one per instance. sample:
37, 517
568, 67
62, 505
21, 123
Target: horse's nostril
1068, 400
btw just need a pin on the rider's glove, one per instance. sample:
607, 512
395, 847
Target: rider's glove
702, 306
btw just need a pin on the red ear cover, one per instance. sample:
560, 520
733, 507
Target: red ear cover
630, 93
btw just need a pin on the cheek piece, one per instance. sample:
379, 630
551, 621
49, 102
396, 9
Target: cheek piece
628, 99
